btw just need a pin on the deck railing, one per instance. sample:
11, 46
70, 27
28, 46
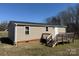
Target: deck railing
61, 37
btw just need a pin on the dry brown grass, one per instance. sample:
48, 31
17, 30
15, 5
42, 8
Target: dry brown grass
35, 48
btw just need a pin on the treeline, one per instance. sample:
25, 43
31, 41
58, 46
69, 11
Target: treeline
68, 17
3, 26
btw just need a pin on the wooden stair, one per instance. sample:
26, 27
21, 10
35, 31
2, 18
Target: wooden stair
52, 42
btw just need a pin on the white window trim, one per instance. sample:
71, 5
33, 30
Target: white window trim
25, 29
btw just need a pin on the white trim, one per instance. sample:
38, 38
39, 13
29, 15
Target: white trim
15, 35
56, 31
15, 40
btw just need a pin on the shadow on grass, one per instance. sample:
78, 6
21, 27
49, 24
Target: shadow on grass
62, 43
6, 40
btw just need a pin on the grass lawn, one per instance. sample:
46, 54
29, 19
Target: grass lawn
35, 48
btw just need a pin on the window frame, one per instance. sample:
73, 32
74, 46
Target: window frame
46, 28
27, 30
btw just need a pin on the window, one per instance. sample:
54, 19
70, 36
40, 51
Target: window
46, 28
26, 30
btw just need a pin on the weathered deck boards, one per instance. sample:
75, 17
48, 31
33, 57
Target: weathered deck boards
61, 37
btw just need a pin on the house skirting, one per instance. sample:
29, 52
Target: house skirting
26, 41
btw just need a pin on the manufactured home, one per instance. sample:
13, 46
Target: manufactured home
25, 31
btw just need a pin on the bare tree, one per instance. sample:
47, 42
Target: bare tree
68, 17
3, 25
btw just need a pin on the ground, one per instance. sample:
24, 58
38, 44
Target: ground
35, 48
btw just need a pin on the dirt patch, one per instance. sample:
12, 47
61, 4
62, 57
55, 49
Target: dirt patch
28, 43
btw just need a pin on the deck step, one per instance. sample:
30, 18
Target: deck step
54, 44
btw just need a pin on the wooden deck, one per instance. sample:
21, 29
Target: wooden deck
61, 37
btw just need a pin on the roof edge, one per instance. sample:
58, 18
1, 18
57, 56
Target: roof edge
20, 23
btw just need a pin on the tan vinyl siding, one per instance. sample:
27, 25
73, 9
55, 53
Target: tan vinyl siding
34, 32
20, 33
62, 30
